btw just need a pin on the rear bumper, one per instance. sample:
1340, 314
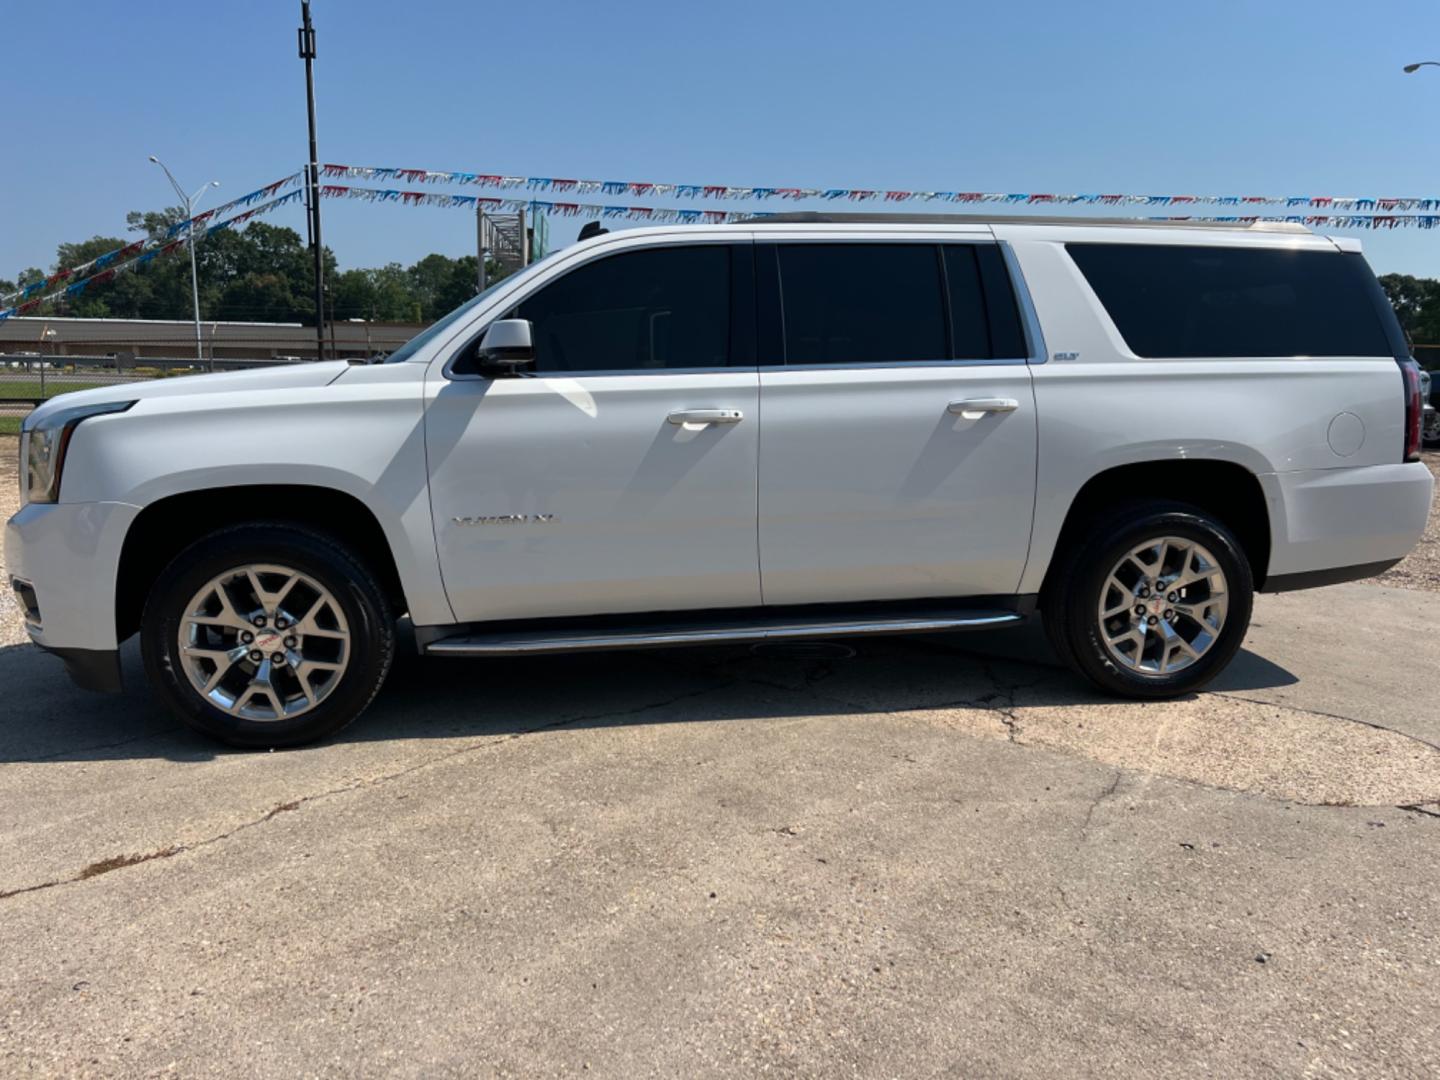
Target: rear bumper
1346, 522
1314, 579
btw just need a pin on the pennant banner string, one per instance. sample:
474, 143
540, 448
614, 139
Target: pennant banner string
47, 284
107, 273
685, 215
560, 185
132, 256
561, 209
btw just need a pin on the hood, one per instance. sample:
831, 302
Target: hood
279, 377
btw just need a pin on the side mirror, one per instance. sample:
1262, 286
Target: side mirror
506, 346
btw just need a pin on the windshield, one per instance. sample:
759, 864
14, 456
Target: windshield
435, 329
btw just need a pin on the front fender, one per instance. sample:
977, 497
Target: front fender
362, 435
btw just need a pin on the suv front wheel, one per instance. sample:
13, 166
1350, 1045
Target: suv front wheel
267, 635
1151, 601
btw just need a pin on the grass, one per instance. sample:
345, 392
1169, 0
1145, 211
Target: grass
30, 388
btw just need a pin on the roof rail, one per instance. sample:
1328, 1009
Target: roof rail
820, 217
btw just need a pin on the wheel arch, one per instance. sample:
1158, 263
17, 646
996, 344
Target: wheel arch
168, 525
1232, 493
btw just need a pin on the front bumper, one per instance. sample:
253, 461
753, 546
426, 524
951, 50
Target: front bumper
69, 555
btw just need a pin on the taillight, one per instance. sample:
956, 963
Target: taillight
1414, 408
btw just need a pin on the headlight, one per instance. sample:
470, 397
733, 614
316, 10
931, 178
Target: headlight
43, 444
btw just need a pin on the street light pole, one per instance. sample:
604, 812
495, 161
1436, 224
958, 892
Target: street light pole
47, 334
1410, 69
307, 53
190, 201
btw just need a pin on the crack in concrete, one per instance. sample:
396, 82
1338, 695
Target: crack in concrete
1095, 803
1077, 920
1006, 692
814, 674
120, 862
1327, 715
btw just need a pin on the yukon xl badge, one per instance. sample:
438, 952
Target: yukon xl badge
506, 519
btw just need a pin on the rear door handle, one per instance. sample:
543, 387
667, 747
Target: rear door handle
706, 416
974, 408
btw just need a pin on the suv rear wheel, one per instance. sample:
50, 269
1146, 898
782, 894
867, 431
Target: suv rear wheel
1152, 601
267, 635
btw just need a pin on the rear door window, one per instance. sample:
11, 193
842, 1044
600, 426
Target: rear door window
862, 303
1172, 301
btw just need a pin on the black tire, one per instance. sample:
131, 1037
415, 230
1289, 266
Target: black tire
1073, 592
320, 557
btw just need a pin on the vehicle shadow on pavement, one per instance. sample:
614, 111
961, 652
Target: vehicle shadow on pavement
47, 719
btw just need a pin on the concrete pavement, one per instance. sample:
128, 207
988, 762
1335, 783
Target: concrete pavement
927, 858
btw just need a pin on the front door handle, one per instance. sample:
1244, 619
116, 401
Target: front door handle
706, 416
975, 408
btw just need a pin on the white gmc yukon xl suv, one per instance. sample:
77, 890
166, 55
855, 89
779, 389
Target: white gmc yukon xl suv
805, 427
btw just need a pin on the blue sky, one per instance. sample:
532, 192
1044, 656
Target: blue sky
1240, 98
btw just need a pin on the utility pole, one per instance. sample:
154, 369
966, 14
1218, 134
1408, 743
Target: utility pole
307, 53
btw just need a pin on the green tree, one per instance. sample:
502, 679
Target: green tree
89, 305
429, 281
261, 298
1417, 305
260, 273
383, 294
29, 276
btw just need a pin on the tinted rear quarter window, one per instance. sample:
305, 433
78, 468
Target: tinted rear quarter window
1172, 301
969, 326
981, 293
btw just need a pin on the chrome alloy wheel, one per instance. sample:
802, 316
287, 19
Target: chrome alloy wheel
264, 642
1163, 606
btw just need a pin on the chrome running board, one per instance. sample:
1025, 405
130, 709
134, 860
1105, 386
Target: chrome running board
715, 632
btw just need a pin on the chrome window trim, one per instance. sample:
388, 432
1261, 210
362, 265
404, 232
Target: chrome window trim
894, 365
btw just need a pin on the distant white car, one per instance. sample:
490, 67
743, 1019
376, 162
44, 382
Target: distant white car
803, 427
